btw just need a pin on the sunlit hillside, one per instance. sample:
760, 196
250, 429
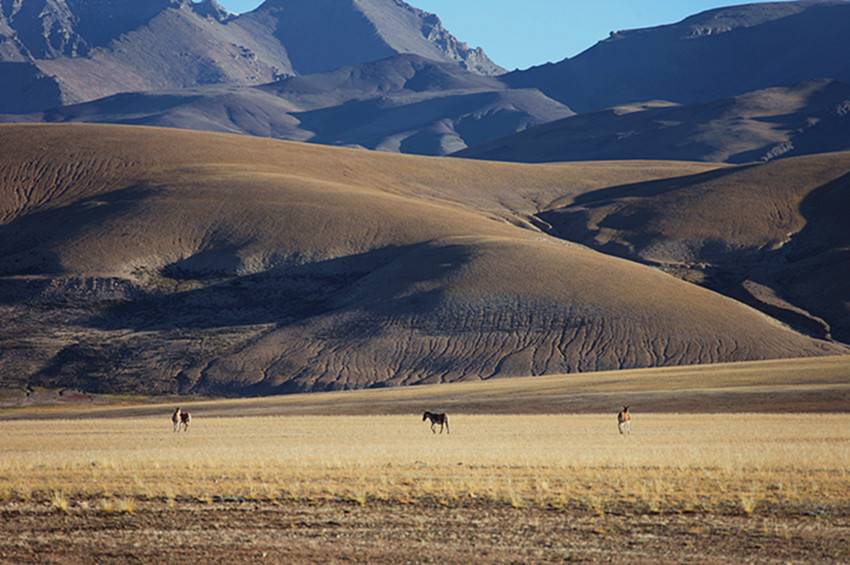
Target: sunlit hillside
146, 260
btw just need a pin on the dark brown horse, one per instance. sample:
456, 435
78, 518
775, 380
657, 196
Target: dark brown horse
185, 418
441, 419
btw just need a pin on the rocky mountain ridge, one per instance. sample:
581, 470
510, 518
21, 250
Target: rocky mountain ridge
322, 35
58, 52
342, 97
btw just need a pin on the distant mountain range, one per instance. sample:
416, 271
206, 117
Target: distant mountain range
405, 103
384, 75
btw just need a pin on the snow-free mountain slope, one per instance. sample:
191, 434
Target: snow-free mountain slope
404, 104
322, 35
774, 235
714, 54
807, 118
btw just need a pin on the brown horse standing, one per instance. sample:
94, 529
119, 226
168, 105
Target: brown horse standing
176, 418
623, 419
441, 419
185, 418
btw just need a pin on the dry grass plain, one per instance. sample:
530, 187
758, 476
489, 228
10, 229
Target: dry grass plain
357, 476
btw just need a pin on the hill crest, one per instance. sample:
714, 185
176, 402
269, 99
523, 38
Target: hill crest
323, 35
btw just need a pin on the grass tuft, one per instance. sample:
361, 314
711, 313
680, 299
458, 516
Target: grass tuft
60, 502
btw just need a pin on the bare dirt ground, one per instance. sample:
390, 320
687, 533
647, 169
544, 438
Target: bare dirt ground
382, 532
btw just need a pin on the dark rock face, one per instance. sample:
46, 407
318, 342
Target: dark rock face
43, 29
26, 89
50, 29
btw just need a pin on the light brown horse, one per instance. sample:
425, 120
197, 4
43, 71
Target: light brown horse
175, 418
623, 419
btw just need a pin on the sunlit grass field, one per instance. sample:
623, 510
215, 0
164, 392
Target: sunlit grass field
732, 463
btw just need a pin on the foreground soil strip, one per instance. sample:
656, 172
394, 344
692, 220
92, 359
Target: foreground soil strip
329, 532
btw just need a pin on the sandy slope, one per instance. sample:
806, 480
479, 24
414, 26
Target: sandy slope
143, 259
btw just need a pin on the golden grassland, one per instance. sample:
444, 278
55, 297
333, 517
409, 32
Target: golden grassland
718, 456
739, 463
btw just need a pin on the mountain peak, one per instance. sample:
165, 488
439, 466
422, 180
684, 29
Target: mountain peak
70, 51
322, 35
212, 9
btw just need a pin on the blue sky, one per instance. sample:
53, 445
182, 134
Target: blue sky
524, 33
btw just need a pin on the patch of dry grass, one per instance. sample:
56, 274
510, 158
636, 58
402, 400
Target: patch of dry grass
742, 463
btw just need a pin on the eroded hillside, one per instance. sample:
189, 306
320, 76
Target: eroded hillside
772, 235
147, 260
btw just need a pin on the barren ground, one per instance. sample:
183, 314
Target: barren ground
378, 532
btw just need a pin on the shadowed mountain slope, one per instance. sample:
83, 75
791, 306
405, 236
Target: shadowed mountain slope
59, 52
811, 117
715, 54
405, 104
148, 260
